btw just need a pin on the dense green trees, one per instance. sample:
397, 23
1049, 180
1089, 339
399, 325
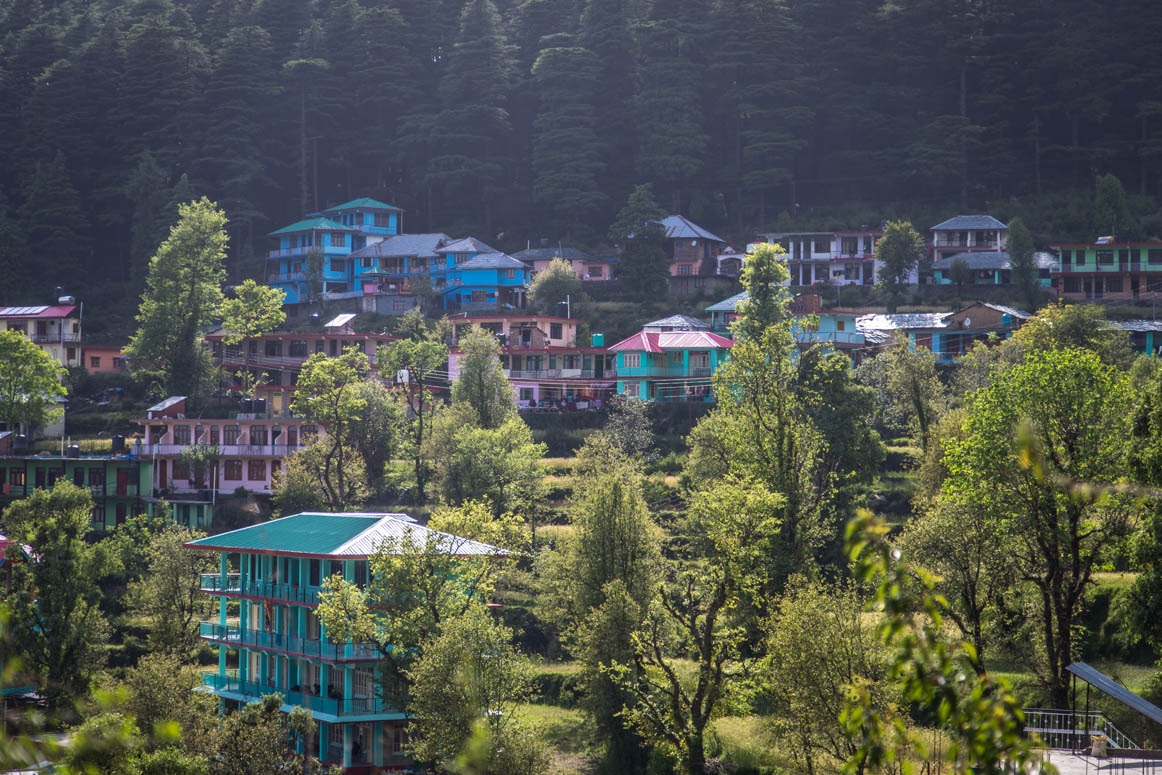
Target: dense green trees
899, 253
536, 119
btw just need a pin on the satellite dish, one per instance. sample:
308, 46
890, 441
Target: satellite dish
967, 322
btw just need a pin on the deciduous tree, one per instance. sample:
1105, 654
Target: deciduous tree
1041, 442
30, 382
182, 297
1022, 264
56, 624
899, 253
481, 383
168, 592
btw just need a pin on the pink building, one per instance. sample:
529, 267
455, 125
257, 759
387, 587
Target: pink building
542, 361
250, 447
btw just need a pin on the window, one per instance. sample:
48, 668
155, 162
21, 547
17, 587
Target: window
338, 239
822, 246
361, 573
338, 265
258, 435
16, 477
232, 471
94, 362
96, 477
401, 305
700, 360
632, 389
526, 394
631, 360
1079, 257
1072, 285
1065, 258
71, 355
367, 263
255, 470
479, 296
676, 356
181, 434
1154, 256
231, 434
214, 434
309, 431
1113, 285
685, 269
1105, 257
273, 348
297, 348
383, 220
17, 327
556, 330
840, 325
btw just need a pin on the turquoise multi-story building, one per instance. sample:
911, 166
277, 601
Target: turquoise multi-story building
833, 329
270, 640
335, 233
670, 360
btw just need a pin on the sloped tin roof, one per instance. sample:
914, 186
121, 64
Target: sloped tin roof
660, 341
492, 261
351, 535
40, 311
404, 245
540, 254
677, 321
364, 203
681, 227
729, 305
969, 222
902, 321
467, 245
311, 224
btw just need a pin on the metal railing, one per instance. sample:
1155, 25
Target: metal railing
216, 582
1071, 730
234, 635
349, 706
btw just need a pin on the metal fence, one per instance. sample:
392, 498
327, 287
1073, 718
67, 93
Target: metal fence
1069, 730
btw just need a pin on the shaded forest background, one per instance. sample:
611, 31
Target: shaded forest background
514, 121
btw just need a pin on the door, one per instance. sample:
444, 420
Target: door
162, 478
122, 482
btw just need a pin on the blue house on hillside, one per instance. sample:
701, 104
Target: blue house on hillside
834, 329
335, 233
486, 281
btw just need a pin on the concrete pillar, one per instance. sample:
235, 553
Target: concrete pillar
348, 734
324, 738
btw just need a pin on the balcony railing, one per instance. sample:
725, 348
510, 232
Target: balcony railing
216, 582
560, 374
55, 338
350, 706
289, 277
228, 450
1073, 730
835, 337
291, 593
663, 371
310, 647
302, 250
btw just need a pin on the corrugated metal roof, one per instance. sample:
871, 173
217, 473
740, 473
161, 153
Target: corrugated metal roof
970, 222
1138, 325
166, 404
340, 320
467, 245
993, 259
1017, 313
692, 340
658, 341
902, 321
492, 261
729, 305
41, 311
681, 227
683, 322
309, 224
1112, 688
351, 535
363, 203
404, 245
540, 254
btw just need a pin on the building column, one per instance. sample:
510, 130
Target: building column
324, 740
348, 733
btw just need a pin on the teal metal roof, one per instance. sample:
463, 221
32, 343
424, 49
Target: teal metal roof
364, 202
313, 223
349, 535
302, 533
